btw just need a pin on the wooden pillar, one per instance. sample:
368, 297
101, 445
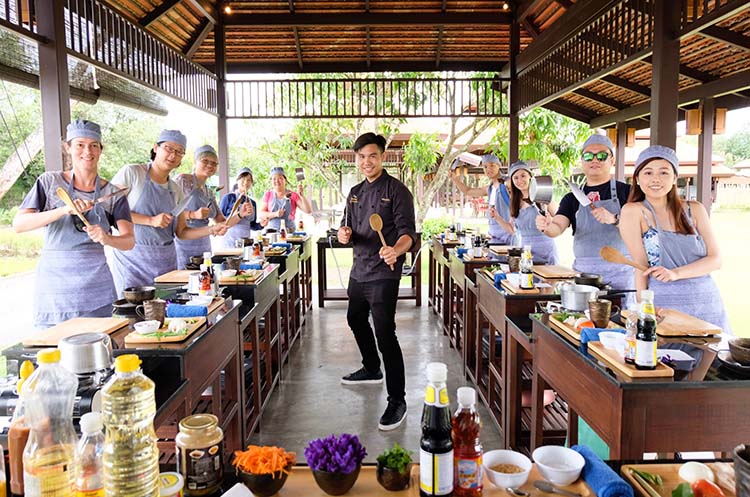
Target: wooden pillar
220, 41
513, 92
665, 73
622, 131
53, 81
705, 147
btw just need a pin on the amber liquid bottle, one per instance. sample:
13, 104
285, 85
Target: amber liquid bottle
436, 444
467, 449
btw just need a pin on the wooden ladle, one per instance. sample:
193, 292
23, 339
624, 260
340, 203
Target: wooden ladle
376, 223
236, 205
63, 194
611, 254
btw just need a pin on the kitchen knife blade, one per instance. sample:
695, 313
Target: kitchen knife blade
181, 206
582, 198
122, 191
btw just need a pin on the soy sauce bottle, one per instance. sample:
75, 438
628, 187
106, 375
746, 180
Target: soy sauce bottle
467, 461
645, 338
436, 444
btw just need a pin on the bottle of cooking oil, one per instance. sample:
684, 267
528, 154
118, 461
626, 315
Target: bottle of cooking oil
49, 456
131, 456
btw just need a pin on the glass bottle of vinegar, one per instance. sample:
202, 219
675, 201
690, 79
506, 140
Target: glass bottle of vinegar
436, 444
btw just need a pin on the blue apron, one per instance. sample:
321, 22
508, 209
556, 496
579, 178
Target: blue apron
73, 279
502, 205
242, 229
591, 236
154, 252
281, 203
543, 248
200, 197
699, 297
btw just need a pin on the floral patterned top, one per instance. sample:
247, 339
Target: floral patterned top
651, 244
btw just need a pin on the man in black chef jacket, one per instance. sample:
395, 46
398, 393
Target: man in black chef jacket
375, 275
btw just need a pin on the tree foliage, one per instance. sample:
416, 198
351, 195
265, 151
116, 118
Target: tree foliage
736, 146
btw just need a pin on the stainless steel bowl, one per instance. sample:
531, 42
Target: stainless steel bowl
86, 353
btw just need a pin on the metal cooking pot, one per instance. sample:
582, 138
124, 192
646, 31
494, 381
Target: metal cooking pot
137, 294
196, 259
576, 297
541, 189
86, 353
590, 279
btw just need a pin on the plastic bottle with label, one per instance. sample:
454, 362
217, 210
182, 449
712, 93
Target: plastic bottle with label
631, 329
436, 443
18, 433
131, 456
467, 449
89, 469
526, 276
645, 339
49, 457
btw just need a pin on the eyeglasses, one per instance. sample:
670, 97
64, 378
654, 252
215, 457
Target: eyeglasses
589, 156
169, 150
209, 163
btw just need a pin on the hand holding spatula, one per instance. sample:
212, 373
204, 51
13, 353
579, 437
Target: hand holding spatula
63, 194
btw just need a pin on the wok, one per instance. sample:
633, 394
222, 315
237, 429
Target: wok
138, 294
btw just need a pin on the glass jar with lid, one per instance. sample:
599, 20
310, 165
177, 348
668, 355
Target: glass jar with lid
200, 454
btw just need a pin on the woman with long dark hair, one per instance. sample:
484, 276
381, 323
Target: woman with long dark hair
673, 238
523, 212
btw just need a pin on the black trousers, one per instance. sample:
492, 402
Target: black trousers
379, 299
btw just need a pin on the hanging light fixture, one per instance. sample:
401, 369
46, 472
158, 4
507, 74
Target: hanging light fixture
505, 6
227, 8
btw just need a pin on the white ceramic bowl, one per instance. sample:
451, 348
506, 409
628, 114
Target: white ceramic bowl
610, 338
560, 465
147, 326
503, 480
228, 273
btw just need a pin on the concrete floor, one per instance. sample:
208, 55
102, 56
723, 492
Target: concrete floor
310, 401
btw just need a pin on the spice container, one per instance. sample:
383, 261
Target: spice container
200, 454
170, 484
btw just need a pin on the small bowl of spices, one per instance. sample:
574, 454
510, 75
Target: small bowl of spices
506, 468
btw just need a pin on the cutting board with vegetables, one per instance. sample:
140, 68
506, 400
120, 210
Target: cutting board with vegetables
163, 335
612, 359
669, 474
52, 336
568, 331
674, 323
554, 272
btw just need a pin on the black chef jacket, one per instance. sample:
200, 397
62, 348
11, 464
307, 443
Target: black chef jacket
391, 199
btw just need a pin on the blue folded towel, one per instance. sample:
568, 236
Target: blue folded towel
499, 277
186, 311
461, 251
246, 265
592, 335
600, 477
299, 233
282, 244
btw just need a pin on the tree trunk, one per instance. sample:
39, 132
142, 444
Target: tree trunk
19, 161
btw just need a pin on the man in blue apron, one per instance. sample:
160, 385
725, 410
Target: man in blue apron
376, 272
279, 205
498, 200
73, 279
596, 225
158, 213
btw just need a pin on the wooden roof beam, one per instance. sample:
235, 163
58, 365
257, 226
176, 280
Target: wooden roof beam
368, 46
530, 28
564, 3
204, 30
724, 35
718, 14
525, 9
205, 8
361, 66
736, 82
366, 18
628, 85
439, 47
298, 46
695, 74
571, 110
615, 104
159, 11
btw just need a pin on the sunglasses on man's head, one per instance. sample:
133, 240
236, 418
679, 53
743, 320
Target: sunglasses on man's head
589, 156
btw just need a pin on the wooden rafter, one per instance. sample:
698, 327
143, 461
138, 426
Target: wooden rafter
298, 46
628, 85
366, 18
439, 47
159, 11
690, 72
718, 14
564, 3
376, 65
529, 27
526, 8
200, 36
615, 104
571, 110
724, 35
368, 45
204, 7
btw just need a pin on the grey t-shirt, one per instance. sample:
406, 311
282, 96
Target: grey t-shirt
135, 177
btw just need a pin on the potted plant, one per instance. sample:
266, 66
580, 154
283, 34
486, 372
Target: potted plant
394, 468
335, 462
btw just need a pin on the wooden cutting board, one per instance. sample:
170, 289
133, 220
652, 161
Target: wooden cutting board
181, 276
723, 472
568, 331
612, 359
554, 272
517, 290
674, 323
229, 252
195, 324
52, 336
500, 249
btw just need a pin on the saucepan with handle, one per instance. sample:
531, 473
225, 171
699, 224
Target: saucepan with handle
541, 189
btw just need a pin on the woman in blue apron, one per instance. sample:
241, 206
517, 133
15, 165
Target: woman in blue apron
674, 238
594, 225
246, 213
279, 205
202, 205
158, 214
73, 279
498, 200
524, 213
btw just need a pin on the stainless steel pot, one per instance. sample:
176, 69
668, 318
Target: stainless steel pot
541, 189
576, 297
86, 353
